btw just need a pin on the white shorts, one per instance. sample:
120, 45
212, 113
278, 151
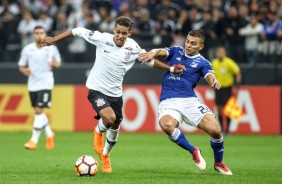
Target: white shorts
188, 110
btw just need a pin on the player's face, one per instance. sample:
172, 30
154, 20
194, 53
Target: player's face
39, 35
121, 33
193, 45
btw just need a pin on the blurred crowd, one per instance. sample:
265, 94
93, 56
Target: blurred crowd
238, 25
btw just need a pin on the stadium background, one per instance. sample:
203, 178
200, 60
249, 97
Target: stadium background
157, 23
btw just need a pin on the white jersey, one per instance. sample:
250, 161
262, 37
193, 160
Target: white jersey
38, 59
111, 62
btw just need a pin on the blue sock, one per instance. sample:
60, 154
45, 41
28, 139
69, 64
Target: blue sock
218, 149
179, 138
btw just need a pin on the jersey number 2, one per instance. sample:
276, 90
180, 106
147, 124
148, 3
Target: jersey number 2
204, 109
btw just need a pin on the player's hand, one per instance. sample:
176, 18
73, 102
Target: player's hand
215, 84
26, 71
47, 42
177, 68
235, 91
146, 56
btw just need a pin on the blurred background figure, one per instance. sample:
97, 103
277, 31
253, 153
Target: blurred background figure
229, 76
251, 32
25, 28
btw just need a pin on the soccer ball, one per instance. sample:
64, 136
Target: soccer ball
86, 166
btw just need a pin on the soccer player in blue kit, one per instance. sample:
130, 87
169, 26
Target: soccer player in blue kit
179, 103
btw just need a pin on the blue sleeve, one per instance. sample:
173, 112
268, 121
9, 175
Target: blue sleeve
207, 68
170, 52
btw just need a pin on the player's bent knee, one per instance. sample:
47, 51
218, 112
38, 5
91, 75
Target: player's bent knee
215, 133
109, 119
167, 126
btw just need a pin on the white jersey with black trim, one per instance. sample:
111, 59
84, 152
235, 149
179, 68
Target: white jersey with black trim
38, 59
111, 62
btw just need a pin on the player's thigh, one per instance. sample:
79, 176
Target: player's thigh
209, 124
168, 116
116, 104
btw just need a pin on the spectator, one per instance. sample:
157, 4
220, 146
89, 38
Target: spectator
251, 33
60, 25
272, 25
33, 6
51, 8
232, 23
45, 21
10, 38
107, 24
26, 27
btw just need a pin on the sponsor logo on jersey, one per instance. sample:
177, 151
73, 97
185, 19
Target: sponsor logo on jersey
91, 33
106, 51
128, 48
100, 102
109, 44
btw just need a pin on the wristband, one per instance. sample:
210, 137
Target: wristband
150, 63
171, 69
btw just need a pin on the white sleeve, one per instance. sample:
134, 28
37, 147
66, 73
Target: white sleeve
23, 59
56, 55
93, 37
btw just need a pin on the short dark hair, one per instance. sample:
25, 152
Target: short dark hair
124, 21
198, 33
38, 27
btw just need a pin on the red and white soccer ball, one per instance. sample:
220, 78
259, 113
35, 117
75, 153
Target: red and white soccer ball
86, 166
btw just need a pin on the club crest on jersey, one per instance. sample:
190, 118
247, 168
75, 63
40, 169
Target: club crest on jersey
127, 55
194, 64
100, 102
109, 44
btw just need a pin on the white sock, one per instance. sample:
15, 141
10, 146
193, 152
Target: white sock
101, 128
47, 128
112, 136
35, 135
37, 127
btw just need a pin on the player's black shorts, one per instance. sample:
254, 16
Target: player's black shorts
40, 98
222, 95
100, 101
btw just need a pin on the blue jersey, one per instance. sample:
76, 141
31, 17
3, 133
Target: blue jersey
182, 85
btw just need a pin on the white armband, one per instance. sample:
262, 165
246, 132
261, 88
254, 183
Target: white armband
150, 63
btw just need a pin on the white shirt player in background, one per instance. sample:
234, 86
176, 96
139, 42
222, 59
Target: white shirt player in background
115, 55
179, 102
37, 63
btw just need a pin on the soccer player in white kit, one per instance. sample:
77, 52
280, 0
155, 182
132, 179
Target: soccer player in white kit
115, 55
179, 102
37, 63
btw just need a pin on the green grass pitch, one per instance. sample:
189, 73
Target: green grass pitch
140, 158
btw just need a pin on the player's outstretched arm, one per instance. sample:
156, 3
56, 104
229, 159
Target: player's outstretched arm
51, 40
154, 53
177, 68
212, 81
